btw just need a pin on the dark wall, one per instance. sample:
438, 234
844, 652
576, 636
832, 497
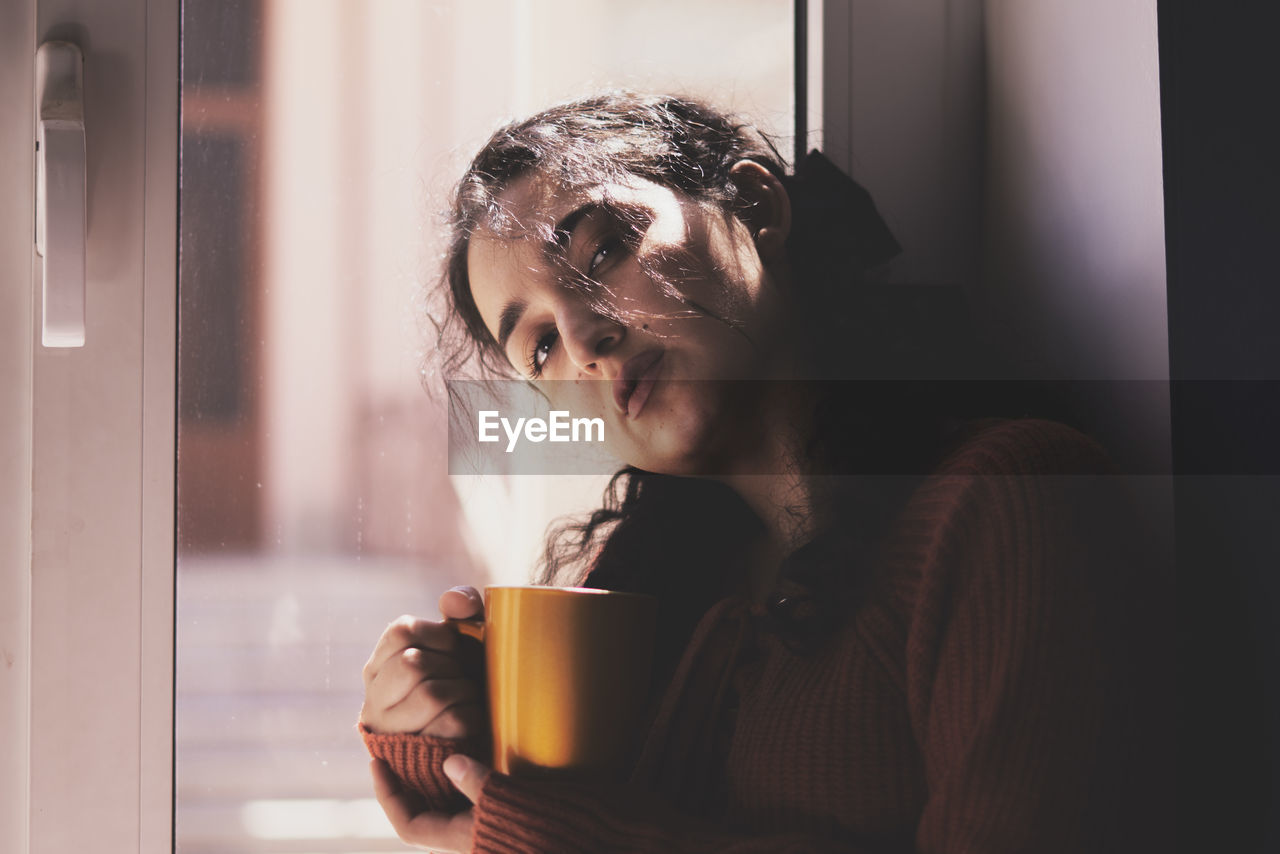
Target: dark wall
1218, 76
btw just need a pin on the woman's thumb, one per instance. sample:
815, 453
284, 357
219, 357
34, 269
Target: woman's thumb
467, 774
461, 603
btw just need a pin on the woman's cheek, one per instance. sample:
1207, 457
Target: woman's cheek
580, 398
676, 436
676, 276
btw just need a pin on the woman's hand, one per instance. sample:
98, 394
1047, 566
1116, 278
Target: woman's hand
432, 831
416, 682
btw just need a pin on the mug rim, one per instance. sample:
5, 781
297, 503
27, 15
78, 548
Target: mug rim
557, 590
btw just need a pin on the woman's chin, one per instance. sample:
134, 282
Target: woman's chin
682, 442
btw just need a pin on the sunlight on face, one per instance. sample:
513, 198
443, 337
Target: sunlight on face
645, 307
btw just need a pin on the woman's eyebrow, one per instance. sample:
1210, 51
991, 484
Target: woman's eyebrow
511, 314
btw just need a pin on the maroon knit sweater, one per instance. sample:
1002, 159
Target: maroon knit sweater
994, 691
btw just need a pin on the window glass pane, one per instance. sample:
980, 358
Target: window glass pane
320, 139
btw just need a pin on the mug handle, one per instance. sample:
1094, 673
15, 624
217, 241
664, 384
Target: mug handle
470, 628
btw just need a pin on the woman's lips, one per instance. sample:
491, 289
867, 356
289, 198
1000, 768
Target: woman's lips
631, 387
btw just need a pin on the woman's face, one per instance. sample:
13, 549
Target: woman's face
647, 310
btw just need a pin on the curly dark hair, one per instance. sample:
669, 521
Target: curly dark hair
685, 539
674, 142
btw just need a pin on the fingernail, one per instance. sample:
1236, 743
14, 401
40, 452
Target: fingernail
455, 767
466, 591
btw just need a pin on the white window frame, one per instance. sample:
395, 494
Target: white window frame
87, 449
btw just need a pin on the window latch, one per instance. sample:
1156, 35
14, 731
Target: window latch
60, 191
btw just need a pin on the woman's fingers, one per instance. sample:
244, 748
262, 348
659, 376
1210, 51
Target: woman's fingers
404, 633
414, 680
403, 672
396, 681
432, 831
461, 603
449, 708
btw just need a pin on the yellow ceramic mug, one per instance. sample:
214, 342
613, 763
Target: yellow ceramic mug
568, 673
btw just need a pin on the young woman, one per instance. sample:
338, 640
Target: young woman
886, 628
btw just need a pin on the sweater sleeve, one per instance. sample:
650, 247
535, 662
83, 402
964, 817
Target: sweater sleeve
418, 761
1019, 680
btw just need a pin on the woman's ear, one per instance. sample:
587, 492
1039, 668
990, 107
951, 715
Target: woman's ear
763, 204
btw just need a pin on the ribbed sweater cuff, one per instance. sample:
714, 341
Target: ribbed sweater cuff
417, 760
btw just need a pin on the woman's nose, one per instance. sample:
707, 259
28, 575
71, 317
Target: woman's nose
588, 336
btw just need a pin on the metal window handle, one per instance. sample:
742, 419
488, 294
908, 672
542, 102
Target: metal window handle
60, 191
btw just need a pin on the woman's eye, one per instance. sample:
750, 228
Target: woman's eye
607, 251
541, 352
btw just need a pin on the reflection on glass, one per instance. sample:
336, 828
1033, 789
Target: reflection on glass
318, 140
